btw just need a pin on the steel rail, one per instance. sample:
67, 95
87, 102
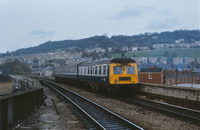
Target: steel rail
110, 123
93, 121
190, 114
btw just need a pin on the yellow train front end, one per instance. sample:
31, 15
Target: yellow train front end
123, 73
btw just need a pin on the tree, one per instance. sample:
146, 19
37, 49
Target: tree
173, 54
18, 70
150, 47
85, 54
94, 55
123, 55
166, 54
14, 67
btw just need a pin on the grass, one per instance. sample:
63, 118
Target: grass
181, 52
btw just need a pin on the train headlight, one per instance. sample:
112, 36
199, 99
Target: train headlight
116, 81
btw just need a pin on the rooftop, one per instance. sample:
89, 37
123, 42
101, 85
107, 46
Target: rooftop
151, 70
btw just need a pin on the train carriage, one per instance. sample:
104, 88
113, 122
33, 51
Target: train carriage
109, 73
94, 72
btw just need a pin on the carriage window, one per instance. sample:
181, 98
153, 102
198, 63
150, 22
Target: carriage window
130, 70
95, 70
104, 70
91, 71
99, 70
117, 70
84, 71
88, 70
81, 70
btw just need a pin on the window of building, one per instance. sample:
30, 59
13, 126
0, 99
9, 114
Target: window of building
150, 76
130, 70
117, 70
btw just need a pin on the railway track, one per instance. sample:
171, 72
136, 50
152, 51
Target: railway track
186, 113
93, 115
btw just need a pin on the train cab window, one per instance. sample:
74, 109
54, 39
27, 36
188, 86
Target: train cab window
104, 70
117, 70
130, 70
99, 70
95, 70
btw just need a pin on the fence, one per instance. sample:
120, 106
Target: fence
174, 77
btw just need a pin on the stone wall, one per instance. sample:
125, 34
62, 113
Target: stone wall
192, 94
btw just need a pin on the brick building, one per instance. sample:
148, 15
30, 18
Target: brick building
156, 75
152, 75
6, 85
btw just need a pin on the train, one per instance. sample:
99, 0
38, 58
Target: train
107, 74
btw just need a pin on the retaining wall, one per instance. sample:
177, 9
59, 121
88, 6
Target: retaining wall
192, 94
17, 106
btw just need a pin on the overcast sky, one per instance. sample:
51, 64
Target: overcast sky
27, 23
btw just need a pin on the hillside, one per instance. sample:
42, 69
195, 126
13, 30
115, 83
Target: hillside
181, 52
146, 39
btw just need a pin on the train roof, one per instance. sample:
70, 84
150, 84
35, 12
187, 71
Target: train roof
123, 60
116, 60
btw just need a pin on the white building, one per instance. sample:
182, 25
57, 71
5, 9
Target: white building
153, 59
178, 60
163, 60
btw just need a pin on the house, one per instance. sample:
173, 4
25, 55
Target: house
134, 49
6, 85
152, 75
109, 49
163, 60
189, 60
153, 60
125, 49
198, 60
47, 71
143, 48
178, 60
140, 60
